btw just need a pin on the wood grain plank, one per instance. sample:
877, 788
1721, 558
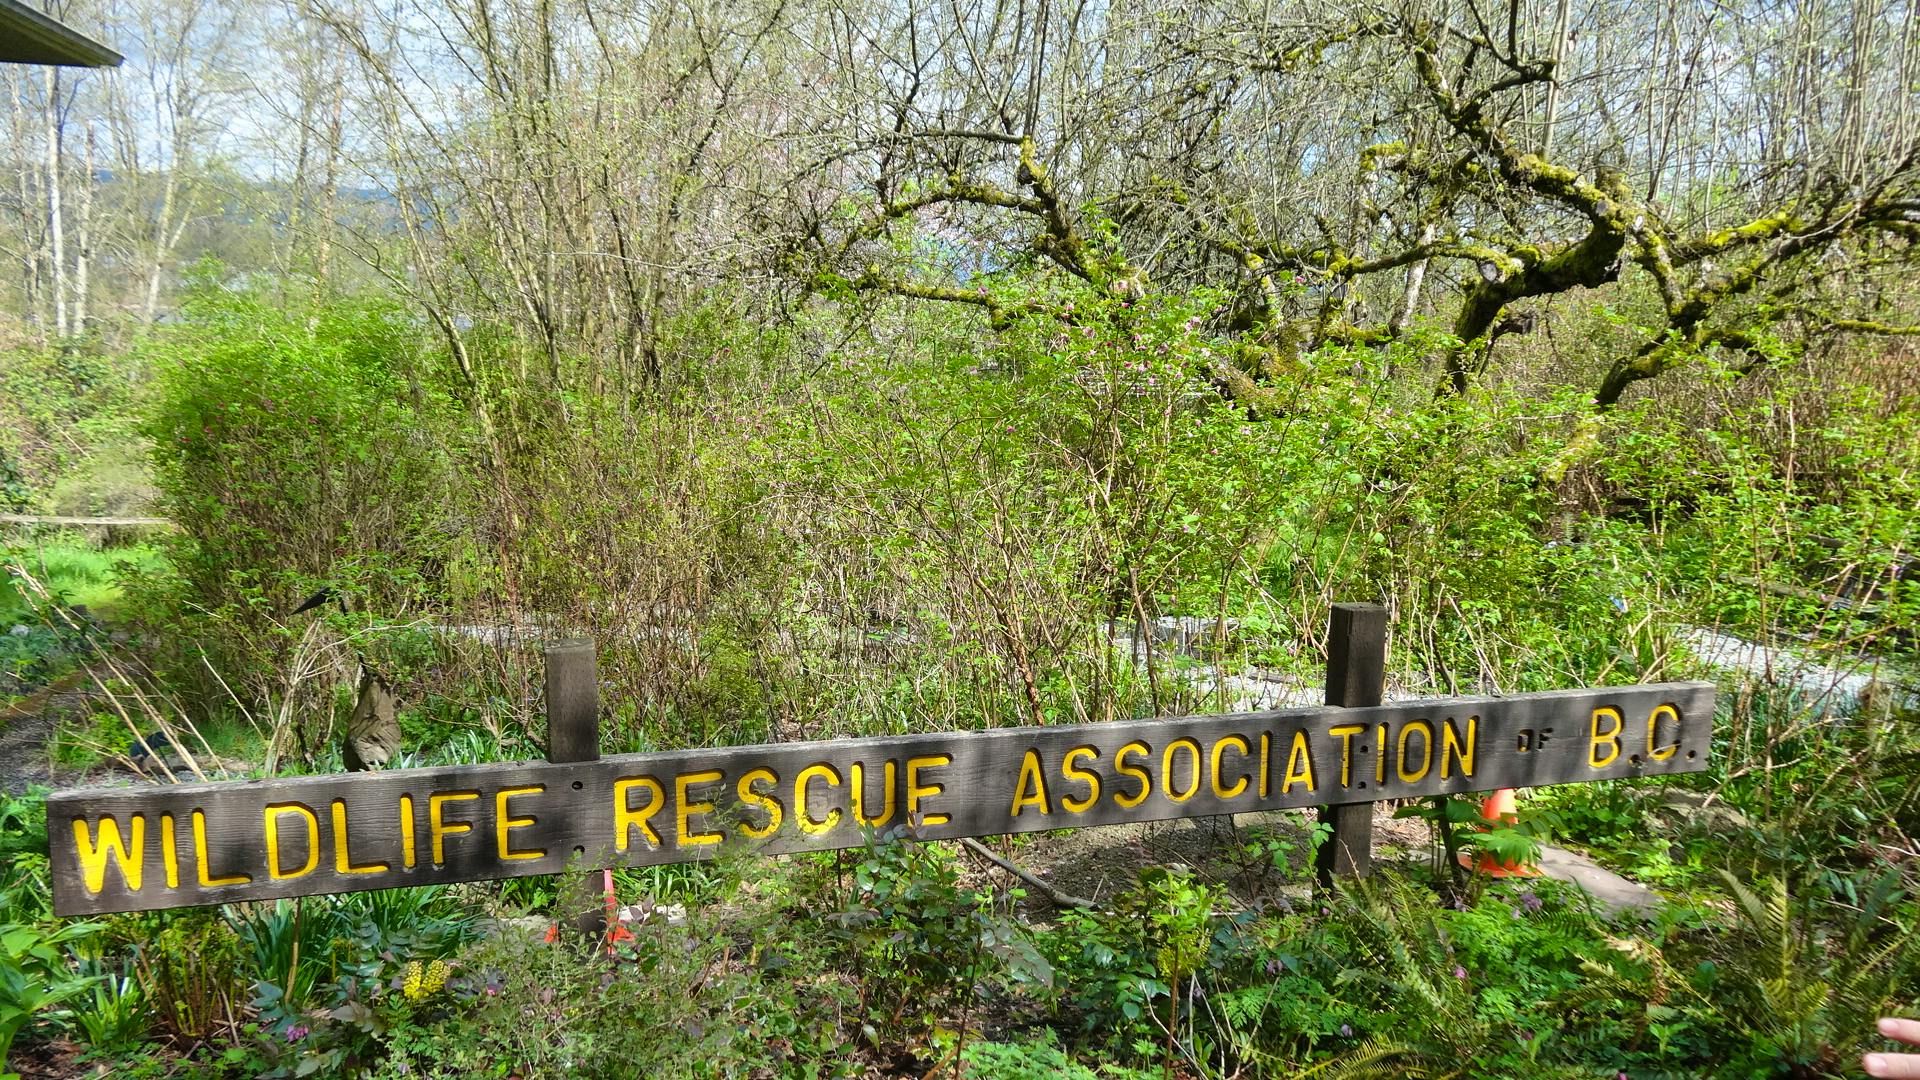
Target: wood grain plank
122, 849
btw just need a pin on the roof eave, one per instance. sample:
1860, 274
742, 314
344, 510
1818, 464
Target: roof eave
28, 36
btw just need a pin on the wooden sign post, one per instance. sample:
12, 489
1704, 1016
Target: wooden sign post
1356, 677
159, 846
573, 734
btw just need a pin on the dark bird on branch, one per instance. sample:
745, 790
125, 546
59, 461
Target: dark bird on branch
325, 594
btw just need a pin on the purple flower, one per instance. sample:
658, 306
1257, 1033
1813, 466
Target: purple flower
1346, 1031
1459, 972
297, 1032
1531, 902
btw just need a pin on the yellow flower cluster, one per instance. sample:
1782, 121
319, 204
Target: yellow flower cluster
423, 981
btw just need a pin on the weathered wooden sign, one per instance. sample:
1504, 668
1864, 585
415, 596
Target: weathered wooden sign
171, 846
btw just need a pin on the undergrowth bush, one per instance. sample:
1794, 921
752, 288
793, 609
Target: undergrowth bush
934, 947
295, 448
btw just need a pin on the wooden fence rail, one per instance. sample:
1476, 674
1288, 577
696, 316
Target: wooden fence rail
62, 521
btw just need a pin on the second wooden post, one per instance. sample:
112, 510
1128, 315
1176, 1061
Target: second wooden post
1356, 677
573, 734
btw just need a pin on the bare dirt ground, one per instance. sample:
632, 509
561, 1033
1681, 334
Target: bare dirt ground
57, 1059
26, 731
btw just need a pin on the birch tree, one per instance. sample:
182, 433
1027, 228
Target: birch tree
168, 111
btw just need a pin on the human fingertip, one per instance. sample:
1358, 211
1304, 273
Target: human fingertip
1875, 1063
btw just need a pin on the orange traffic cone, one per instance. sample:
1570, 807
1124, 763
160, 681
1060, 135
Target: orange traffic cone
614, 928
617, 931
1501, 808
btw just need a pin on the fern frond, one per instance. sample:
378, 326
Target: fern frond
1377, 1058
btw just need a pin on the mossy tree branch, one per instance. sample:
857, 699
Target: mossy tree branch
1059, 238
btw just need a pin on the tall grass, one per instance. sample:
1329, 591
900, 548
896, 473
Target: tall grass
74, 571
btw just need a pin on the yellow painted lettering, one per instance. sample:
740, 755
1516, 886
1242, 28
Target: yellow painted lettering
626, 818
916, 790
1213, 760
1609, 738
273, 813
1193, 769
857, 792
342, 856
686, 808
1345, 733
171, 850
128, 854
407, 853
764, 800
1458, 749
1266, 762
1299, 765
1085, 776
504, 822
1426, 751
803, 809
1031, 788
438, 827
1655, 750
1120, 766
207, 880
1380, 754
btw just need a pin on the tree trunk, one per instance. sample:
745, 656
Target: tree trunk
83, 255
27, 200
1560, 17
1416, 280
158, 264
329, 185
56, 228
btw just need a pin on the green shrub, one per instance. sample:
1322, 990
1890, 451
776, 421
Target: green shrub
35, 975
67, 410
668, 1004
191, 970
295, 448
113, 1015
926, 947
23, 851
1128, 974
